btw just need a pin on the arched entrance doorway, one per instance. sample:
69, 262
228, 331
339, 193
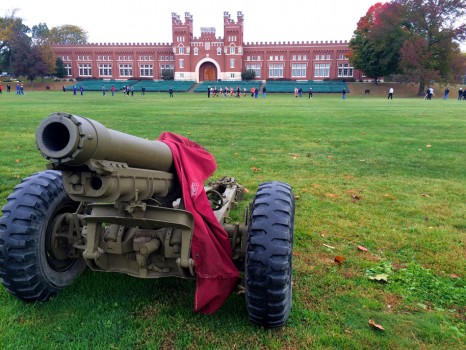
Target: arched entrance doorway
208, 71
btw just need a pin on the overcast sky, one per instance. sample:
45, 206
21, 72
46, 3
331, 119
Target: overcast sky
150, 20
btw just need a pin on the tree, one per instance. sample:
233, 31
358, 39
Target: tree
28, 62
14, 41
168, 74
40, 33
431, 50
67, 34
41, 38
417, 38
60, 70
248, 74
378, 38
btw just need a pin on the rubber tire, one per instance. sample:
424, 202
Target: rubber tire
27, 269
269, 251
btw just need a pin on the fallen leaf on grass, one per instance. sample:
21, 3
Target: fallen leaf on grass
453, 275
428, 146
329, 246
425, 195
18, 161
375, 325
255, 170
339, 259
331, 195
363, 249
383, 277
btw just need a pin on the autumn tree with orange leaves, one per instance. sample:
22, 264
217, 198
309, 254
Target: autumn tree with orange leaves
377, 41
418, 39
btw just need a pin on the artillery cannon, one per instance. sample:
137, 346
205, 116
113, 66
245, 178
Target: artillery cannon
120, 203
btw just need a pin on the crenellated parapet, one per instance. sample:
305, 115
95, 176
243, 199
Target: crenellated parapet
298, 43
90, 45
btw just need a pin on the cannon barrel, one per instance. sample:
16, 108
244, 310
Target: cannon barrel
66, 139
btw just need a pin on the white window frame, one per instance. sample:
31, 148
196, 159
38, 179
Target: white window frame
105, 70
322, 70
276, 70
125, 70
298, 70
146, 70
85, 70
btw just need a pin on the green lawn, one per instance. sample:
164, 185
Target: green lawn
386, 175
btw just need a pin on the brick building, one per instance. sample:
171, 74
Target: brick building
208, 57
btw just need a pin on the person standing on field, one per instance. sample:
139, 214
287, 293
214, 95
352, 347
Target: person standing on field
446, 93
390, 94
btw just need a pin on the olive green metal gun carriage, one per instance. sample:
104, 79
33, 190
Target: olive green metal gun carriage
113, 202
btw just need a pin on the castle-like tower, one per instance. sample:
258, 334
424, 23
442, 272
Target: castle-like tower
208, 57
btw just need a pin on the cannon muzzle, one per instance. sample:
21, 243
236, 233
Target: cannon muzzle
66, 139
103, 165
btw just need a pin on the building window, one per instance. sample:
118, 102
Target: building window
344, 70
304, 57
328, 57
256, 68
219, 50
276, 71
68, 68
232, 75
317, 57
181, 50
298, 70
322, 70
232, 63
270, 58
181, 63
196, 51
294, 58
126, 70
232, 50
105, 70
85, 70
146, 70
232, 38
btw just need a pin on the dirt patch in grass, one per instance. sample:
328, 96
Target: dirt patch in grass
400, 89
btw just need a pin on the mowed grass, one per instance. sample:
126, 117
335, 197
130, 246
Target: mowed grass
389, 176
